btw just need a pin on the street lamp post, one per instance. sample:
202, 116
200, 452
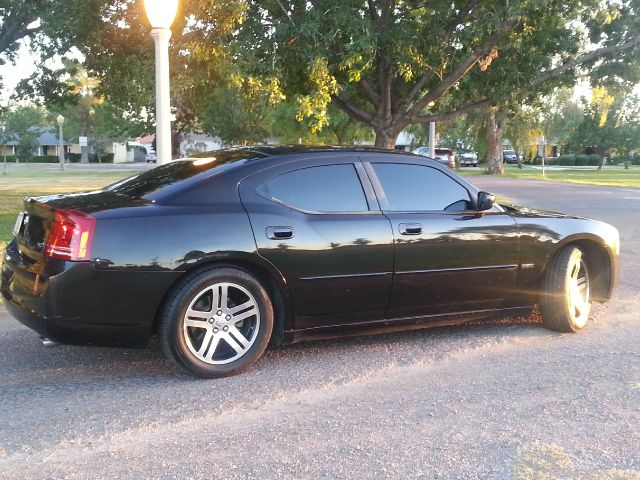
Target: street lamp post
60, 121
432, 135
3, 129
161, 14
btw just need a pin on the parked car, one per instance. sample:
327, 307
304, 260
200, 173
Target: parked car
509, 156
151, 157
468, 159
222, 254
444, 156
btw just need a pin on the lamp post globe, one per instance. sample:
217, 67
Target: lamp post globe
161, 14
60, 120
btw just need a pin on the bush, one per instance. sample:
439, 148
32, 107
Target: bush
594, 160
567, 160
106, 158
582, 160
93, 158
44, 159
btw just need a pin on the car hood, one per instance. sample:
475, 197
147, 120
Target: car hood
522, 211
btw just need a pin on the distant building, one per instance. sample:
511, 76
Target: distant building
193, 143
47, 144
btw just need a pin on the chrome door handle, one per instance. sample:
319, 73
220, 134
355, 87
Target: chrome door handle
279, 233
410, 228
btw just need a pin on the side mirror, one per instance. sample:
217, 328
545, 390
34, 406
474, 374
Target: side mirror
485, 201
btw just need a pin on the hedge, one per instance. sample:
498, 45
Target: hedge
93, 158
71, 157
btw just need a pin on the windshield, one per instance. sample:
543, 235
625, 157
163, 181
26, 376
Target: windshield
152, 183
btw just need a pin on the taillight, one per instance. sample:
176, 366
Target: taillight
70, 236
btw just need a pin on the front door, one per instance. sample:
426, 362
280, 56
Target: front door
313, 220
449, 258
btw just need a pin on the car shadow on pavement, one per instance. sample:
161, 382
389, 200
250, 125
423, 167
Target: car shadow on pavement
25, 360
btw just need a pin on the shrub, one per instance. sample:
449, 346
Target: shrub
567, 160
594, 159
45, 159
582, 160
106, 158
73, 157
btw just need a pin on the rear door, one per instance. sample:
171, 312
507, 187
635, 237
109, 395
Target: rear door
449, 258
319, 223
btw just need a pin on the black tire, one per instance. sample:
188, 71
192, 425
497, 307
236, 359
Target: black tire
559, 306
178, 342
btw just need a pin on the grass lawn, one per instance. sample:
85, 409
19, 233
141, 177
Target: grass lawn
21, 181
609, 175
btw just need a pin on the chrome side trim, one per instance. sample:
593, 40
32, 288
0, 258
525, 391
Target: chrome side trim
352, 275
459, 269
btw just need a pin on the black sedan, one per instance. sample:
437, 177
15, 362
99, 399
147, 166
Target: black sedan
223, 254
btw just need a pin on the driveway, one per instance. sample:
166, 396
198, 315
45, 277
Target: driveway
506, 399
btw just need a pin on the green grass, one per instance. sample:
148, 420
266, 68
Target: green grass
44, 180
609, 175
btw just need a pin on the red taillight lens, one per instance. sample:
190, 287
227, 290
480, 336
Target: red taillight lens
70, 236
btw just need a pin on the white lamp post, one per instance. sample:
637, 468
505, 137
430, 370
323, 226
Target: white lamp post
161, 14
3, 130
60, 121
432, 135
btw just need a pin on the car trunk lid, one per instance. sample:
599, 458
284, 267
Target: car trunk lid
34, 224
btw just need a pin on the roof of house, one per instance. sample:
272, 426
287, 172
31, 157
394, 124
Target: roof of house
46, 137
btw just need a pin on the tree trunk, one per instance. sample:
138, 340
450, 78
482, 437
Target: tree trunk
386, 138
496, 121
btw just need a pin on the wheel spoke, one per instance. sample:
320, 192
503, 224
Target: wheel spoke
242, 306
212, 349
575, 270
224, 299
205, 343
582, 282
246, 314
189, 322
215, 300
233, 343
197, 314
238, 336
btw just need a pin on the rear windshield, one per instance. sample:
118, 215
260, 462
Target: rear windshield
154, 183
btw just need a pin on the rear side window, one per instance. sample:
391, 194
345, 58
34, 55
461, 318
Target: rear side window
324, 189
418, 188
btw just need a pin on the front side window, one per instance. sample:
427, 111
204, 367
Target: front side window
324, 189
418, 188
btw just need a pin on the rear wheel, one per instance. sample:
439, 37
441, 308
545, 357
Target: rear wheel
217, 323
565, 302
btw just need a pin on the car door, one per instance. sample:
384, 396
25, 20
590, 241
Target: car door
449, 258
319, 223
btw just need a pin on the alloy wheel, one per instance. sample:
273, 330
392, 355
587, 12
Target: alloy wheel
579, 292
221, 323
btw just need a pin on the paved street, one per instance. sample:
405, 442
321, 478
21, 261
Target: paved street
499, 400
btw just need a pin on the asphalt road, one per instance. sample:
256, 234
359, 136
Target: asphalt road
500, 400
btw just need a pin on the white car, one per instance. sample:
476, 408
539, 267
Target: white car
468, 159
151, 158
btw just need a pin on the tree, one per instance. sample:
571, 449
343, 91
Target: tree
21, 126
50, 26
609, 125
384, 62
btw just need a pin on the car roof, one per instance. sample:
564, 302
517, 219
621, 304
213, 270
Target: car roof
278, 150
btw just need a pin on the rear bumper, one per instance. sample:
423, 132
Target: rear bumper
75, 303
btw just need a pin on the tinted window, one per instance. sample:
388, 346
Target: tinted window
411, 188
330, 188
153, 183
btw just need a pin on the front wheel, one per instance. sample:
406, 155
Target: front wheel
216, 323
565, 301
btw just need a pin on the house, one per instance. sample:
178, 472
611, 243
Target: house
48, 144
